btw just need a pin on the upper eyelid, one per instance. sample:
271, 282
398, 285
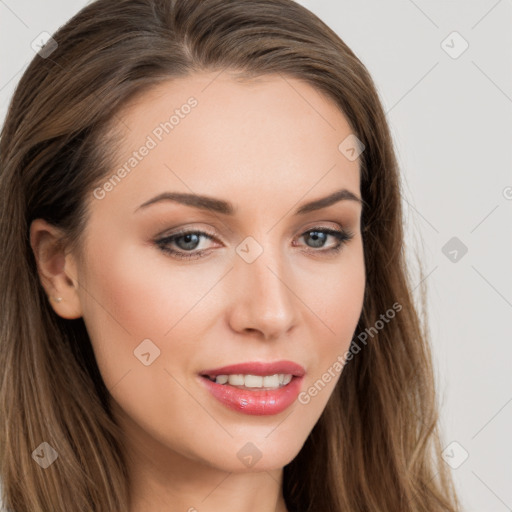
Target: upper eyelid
339, 226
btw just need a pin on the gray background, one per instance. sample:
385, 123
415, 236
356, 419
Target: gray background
451, 122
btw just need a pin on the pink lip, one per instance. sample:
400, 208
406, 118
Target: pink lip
258, 368
262, 402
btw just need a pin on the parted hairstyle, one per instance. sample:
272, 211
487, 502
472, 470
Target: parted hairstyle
376, 446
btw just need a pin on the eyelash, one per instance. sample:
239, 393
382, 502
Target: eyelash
343, 236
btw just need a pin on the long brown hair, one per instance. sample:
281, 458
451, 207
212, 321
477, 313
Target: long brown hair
376, 446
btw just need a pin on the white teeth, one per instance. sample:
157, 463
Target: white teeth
221, 379
255, 381
236, 380
271, 381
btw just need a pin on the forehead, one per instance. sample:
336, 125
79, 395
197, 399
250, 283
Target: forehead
213, 134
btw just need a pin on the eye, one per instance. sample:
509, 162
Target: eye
188, 241
185, 240
318, 236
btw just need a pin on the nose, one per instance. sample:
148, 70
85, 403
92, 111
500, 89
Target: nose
263, 300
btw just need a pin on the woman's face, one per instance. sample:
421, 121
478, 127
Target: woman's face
268, 287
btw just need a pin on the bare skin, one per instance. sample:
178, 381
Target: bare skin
268, 146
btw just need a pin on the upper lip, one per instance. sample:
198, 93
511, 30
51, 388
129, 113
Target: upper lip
258, 368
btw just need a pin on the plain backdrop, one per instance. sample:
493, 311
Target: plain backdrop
443, 69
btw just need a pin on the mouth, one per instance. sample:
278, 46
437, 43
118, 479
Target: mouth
255, 388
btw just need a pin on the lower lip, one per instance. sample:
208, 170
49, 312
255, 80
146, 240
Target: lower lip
260, 402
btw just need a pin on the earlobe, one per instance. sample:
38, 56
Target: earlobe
56, 269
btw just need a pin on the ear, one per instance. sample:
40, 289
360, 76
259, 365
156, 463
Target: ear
57, 270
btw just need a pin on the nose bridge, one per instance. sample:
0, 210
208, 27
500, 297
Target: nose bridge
265, 300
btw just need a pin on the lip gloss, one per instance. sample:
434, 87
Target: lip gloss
255, 402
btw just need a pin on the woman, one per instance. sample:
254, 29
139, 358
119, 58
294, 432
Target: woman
206, 303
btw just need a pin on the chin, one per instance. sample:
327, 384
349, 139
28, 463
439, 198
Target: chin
244, 454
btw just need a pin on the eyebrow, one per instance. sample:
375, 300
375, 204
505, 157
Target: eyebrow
227, 208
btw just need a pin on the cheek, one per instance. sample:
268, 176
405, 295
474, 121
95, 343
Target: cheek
137, 291
337, 300
129, 295
337, 307
347, 302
